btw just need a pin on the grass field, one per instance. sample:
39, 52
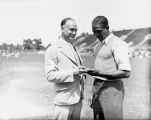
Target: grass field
25, 93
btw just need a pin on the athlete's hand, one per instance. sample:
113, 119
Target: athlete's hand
80, 70
93, 72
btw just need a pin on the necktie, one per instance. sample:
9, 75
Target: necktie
76, 54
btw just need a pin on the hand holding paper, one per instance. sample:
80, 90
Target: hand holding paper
93, 72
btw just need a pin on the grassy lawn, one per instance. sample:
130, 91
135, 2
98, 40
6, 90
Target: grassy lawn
25, 93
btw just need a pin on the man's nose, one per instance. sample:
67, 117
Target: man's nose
74, 32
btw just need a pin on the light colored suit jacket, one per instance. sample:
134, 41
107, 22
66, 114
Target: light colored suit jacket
59, 64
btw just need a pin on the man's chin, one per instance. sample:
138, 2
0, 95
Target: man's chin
100, 38
72, 39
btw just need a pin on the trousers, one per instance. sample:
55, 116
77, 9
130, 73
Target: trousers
68, 112
107, 102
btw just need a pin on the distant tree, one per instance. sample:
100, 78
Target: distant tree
27, 43
4, 46
1, 47
36, 43
42, 47
17, 47
11, 47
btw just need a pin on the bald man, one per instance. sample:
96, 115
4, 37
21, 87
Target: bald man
63, 67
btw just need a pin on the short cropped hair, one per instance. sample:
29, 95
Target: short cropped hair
100, 20
63, 22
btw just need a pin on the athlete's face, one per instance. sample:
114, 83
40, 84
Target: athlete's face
99, 31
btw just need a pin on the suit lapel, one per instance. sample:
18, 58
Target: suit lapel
68, 53
70, 59
78, 56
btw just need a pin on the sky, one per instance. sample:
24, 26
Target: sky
30, 19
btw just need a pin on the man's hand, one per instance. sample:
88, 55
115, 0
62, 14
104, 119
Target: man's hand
93, 72
80, 70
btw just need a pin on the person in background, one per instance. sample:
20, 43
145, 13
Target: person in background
111, 66
63, 67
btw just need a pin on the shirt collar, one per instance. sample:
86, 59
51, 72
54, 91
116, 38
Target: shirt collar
108, 38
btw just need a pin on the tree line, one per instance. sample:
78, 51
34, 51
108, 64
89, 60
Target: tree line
28, 44
32, 44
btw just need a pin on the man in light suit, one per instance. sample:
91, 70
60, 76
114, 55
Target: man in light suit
64, 68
